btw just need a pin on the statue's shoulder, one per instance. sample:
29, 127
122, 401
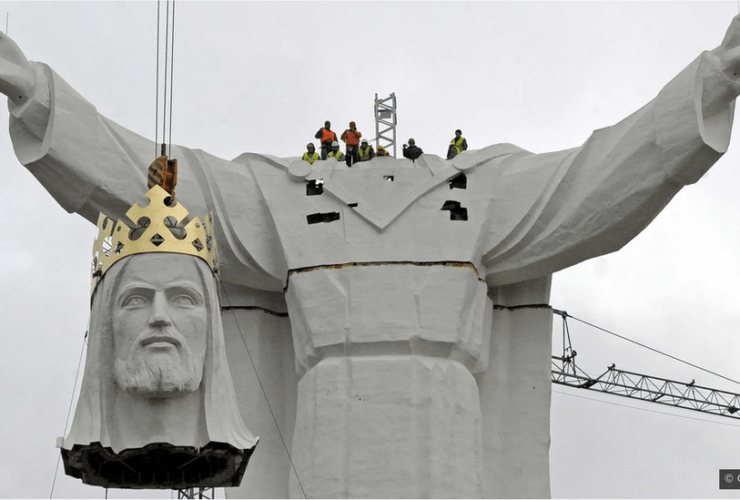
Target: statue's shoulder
471, 159
260, 160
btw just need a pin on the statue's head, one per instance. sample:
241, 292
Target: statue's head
159, 324
157, 407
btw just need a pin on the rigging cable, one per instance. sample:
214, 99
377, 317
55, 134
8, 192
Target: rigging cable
166, 55
564, 314
168, 66
69, 410
156, 93
645, 409
172, 75
264, 393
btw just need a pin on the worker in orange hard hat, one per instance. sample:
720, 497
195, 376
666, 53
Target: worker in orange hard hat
326, 136
351, 138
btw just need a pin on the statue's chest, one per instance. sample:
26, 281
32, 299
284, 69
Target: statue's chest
376, 212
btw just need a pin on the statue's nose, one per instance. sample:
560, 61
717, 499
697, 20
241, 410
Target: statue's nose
160, 311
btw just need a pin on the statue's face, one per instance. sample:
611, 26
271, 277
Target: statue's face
159, 325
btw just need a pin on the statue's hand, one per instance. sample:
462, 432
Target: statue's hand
17, 77
728, 51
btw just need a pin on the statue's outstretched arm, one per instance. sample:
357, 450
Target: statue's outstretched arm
578, 204
90, 164
17, 77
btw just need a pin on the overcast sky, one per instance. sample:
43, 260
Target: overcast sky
263, 77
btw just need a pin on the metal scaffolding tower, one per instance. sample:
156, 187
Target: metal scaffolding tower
385, 115
638, 386
197, 493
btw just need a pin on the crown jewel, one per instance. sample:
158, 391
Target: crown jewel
160, 228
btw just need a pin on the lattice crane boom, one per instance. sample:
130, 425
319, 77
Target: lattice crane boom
633, 385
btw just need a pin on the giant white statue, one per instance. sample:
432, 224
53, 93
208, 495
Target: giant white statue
418, 309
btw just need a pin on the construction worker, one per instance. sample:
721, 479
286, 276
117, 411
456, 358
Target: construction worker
452, 151
351, 137
459, 141
366, 152
411, 151
311, 156
382, 151
326, 136
335, 153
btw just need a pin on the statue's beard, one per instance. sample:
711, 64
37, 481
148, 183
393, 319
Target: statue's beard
160, 373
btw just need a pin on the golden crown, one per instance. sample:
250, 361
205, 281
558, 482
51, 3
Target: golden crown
160, 228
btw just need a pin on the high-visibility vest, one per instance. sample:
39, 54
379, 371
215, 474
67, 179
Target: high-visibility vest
458, 144
312, 158
352, 137
338, 155
365, 154
328, 135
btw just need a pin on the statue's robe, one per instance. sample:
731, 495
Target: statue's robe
390, 293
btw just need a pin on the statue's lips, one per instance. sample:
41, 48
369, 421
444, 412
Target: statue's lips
158, 339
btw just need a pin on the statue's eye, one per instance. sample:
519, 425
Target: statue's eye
134, 301
184, 300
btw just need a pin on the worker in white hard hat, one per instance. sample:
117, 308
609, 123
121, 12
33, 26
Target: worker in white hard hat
366, 152
335, 153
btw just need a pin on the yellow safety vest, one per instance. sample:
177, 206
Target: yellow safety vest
310, 159
458, 144
364, 155
338, 155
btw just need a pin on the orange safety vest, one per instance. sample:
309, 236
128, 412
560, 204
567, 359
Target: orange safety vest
311, 159
328, 135
352, 137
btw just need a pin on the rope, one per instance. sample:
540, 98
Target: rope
69, 411
564, 314
274, 419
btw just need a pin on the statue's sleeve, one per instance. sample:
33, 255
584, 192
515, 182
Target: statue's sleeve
550, 211
90, 164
